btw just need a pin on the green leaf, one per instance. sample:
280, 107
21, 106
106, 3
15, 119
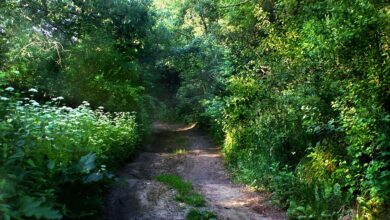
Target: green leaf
87, 163
34, 207
18, 155
31, 163
93, 177
51, 164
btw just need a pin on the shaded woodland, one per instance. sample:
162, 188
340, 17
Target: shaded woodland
296, 92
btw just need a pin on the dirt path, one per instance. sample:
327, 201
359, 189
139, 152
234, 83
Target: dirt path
139, 196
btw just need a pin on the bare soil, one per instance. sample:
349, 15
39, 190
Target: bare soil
139, 196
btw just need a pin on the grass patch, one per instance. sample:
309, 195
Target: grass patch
180, 151
194, 199
184, 188
176, 182
195, 214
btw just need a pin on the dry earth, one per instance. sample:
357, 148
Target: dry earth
139, 196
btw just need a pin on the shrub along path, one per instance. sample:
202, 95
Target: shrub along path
188, 152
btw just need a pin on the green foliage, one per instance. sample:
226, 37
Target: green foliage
52, 154
32, 207
193, 199
195, 214
180, 151
318, 112
200, 64
175, 182
301, 85
73, 50
184, 188
81, 51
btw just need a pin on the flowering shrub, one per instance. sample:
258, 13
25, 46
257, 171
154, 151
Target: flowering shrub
51, 154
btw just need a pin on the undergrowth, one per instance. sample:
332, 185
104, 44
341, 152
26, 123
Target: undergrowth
195, 214
188, 196
184, 188
55, 159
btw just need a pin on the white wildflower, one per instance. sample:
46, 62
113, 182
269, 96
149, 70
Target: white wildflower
66, 108
4, 98
9, 89
49, 138
34, 103
33, 90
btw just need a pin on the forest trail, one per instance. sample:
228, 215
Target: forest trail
140, 196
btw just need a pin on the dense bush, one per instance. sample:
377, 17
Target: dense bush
53, 154
320, 116
299, 96
63, 49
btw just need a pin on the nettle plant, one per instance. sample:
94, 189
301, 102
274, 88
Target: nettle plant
50, 154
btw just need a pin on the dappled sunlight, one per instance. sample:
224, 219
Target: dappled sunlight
229, 196
187, 128
209, 155
161, 126
235, 203
289, 97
